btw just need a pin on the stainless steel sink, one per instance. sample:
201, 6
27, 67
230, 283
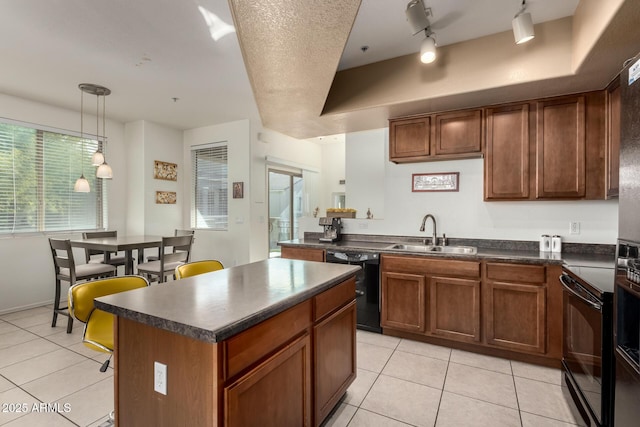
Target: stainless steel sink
469, 250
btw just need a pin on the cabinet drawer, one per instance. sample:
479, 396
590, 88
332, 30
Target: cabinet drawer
516, 273
305, 254
248, 347
334, 298
431, 266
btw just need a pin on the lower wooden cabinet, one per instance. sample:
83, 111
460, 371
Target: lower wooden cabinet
403, 302
454, 308
284, 379
335, 359
516, 316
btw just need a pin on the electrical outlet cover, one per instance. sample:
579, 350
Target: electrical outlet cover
160, 378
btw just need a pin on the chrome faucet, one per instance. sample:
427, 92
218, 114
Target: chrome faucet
434, 238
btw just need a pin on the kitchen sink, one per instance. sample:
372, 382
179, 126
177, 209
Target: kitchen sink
470, 250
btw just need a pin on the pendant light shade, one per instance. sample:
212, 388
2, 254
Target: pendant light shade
98, 158
82, 185
104, 171
428, 50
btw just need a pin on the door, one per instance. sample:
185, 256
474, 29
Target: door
403, 302
454, 308
285, 207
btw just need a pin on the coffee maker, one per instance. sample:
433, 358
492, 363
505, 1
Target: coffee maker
332, 227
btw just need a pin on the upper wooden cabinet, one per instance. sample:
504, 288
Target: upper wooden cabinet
546, 149
561, 148
456, 134
612, 167
507, 153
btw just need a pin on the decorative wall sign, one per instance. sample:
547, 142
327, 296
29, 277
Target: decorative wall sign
238, 190
166, 197
165, 170
447, 181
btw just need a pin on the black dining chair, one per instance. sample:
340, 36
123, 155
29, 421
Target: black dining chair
174, 251
66, 270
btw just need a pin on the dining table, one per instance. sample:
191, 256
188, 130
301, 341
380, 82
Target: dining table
127, 244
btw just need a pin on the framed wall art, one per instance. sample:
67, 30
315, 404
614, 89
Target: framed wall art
238, 190
165, 170
166, 197
447, 181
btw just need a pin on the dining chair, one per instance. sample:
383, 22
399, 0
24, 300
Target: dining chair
197, 267
98, 325
66, 270
179, 253
176, 232
116, 260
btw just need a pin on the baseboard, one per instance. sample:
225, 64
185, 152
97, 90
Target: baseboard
25, 307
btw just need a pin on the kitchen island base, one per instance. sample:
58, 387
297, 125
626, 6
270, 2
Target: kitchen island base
288, 370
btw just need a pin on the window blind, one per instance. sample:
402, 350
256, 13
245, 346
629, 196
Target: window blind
38, 169
210, 187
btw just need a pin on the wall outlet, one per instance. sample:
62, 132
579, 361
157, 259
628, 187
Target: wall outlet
574, 227
160, 378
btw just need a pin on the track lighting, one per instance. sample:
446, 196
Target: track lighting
418, 18
522, 26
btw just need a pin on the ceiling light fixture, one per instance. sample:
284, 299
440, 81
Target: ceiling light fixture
82, 185
98, 159
418, 18
522, 26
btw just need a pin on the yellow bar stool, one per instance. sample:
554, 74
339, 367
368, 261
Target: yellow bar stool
197, 267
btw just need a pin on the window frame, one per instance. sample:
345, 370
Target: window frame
195, 198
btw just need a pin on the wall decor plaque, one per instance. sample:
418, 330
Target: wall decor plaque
238, 190
165, 170
447, 181
166, 197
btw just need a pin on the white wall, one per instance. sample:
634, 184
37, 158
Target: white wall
464, 214
27, 268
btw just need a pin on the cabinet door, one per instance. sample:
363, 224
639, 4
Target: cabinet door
275, 393
507, 153
613, 139
409, 138
516, 316
335, 359
454, 308
458, 132
561, 148
403, 302
306, 254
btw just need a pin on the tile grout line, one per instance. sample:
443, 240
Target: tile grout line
435, 422
515, 389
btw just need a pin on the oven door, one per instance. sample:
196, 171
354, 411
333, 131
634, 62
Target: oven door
582, 350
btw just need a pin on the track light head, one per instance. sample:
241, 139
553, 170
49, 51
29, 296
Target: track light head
522, 26
428, 50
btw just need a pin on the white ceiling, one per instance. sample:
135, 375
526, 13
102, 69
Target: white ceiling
151, 51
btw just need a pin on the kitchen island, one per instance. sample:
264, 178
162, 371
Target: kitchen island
267, 343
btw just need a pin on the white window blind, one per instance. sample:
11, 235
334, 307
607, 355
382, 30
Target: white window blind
210, 187
38, 169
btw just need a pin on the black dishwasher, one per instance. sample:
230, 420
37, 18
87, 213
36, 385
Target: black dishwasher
367, 285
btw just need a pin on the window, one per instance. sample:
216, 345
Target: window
38, 169
210, 189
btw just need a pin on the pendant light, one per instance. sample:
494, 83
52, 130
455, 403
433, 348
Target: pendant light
82, 185
104, 170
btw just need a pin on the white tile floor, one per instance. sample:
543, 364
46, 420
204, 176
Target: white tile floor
400, 383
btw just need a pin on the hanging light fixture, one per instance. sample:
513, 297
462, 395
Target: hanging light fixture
522, 26
104, 170
82, 185
428, 49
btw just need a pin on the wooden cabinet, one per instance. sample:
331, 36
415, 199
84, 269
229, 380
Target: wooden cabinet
612, 168
251, 400
306, 254
561, 148
454, 308
516, 307
409, 138
458, 132
403, 301
507, 153
450, 135
335, 359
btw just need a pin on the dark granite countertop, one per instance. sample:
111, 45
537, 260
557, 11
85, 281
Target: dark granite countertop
215, 306
491, 250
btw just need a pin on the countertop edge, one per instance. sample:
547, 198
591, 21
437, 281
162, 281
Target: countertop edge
226, 331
